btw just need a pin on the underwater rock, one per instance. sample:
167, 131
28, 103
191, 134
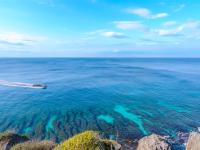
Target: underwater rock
198, 129
88, 140
153, 142
9, 139
35, 145
193, 141
181, 138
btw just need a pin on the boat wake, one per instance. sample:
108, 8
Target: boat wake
22, 84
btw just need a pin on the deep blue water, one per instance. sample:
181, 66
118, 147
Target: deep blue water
131, 97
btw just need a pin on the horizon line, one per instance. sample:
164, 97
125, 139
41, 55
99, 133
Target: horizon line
100, 57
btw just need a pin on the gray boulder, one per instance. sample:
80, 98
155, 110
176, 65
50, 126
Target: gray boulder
8, 139
193, 141
153, 142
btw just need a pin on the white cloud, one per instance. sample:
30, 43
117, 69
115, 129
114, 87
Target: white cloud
159, 15
107, 33
146, 13
129, 25
191, 24
168, 32
112, 34
169, 23
13, 38
142, 12
179, 30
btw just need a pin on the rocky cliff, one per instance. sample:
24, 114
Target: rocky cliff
91, 140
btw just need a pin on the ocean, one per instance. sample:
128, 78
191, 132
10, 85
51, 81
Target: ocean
128, 97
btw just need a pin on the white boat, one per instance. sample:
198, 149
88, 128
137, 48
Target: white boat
43, 86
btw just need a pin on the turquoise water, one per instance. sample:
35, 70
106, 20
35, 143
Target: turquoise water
131, 116
106, 118
131, 97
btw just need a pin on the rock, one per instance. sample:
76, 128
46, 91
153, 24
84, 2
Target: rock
193, 141
198, 129
8, 139
35, 145
181, 138
116, 146
109, 145
153, 142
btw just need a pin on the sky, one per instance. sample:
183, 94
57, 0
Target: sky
99, 28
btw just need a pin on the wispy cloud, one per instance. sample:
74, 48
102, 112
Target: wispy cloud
169, 32
150, 41
142, 12
107, 33
180, 7
146, 13
159, 15
130, 25
169, 23
112, 34
11, 43
13, 38
179, 30
192, 24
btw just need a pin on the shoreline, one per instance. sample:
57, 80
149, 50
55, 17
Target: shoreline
183, 141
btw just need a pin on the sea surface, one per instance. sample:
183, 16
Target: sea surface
127, 97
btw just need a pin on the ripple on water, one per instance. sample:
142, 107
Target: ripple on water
49, 125
107, 118
131, 116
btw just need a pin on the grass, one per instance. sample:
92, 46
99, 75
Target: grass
35, 145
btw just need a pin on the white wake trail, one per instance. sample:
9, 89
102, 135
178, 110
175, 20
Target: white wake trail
21, 84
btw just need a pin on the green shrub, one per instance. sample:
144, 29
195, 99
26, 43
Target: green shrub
88, 140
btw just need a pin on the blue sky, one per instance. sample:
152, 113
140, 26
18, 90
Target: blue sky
99, 28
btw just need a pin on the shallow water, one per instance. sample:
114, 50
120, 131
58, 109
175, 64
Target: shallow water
131, 97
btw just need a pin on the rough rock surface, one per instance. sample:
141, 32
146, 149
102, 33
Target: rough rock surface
116, 146
193, 141
7, 140
181, 138
153, 142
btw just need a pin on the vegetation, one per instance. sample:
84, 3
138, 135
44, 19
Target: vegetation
88, 140
35, 145
11, 135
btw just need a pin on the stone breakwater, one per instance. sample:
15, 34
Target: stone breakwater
92, 140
